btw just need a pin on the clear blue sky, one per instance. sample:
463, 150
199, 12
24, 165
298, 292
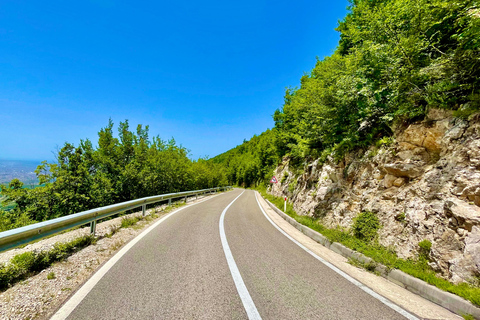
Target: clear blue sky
208, 73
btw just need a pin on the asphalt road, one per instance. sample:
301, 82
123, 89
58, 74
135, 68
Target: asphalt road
179, 270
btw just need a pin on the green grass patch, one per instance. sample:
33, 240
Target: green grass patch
369, 266
468, 317
418, 268
27, 264
129, 221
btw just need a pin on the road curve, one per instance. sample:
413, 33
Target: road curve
179, 270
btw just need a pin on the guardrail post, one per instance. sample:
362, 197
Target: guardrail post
143, 210
196, 196
185, 199
93, 226
170, 201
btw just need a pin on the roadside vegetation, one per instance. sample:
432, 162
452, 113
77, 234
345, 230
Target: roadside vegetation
27, 264
395, 60
362, 237
119, 169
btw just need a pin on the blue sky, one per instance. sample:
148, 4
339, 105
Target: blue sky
208, 73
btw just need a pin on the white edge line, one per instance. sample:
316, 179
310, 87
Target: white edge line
77, 298
242, 290
357, 283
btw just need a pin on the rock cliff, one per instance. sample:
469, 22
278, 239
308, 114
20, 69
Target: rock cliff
424, 184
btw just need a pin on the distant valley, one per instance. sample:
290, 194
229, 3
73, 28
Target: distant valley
24, 170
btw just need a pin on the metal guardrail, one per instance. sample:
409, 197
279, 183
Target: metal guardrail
15, 237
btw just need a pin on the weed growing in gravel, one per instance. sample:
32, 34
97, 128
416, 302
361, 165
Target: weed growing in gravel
418, 268
113, 230
51, 276
129, 221
26, 264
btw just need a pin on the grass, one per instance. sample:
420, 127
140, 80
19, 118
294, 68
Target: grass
27, 264
415, 267
369, 266
129, 221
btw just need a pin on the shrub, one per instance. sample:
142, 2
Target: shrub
292, 185
284, 178
425, 248
365, 226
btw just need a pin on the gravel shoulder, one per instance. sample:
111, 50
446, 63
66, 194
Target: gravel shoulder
38, 297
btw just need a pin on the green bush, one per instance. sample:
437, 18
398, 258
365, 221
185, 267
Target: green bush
284, 178
425, 248
292, 185
365, 226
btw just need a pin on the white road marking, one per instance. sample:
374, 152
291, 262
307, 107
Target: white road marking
75, 300
242, 290
357, 283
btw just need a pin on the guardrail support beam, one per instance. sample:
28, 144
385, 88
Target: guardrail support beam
143, 210
93, 226
169, 202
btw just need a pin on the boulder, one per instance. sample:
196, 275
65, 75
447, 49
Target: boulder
462, 214
407, 170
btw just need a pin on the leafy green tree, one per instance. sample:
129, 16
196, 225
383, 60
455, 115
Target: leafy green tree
119, 169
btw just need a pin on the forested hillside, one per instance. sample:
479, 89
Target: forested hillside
119, 169
395, 60
250, 162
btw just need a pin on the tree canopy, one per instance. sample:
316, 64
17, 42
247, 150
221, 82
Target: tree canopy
395, 60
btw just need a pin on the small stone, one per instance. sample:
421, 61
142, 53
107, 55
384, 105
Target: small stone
378, 175
477, 200
388, 181
399, 182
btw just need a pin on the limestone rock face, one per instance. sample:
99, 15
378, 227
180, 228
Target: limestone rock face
426, 185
